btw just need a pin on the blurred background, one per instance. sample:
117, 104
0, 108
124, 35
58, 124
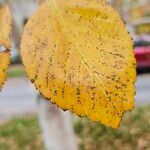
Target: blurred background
24, 125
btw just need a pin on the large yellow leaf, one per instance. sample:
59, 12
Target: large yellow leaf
79, 55
5, 30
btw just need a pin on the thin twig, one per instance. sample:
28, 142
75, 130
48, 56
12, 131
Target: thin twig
41, 2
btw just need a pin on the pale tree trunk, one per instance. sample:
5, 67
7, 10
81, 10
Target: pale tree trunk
56, 125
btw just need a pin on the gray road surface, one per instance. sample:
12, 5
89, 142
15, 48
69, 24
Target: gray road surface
18, 96
143, 90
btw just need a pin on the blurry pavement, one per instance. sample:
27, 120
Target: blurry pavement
143, 90
18, 96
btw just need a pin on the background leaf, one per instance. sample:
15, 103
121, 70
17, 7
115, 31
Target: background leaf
5, 30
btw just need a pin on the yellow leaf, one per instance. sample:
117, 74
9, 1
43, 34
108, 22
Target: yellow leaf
5, 26
4, 62
79, 55
5, 30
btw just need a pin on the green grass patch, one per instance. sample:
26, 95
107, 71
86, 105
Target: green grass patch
16, 71
21, 134
133, 133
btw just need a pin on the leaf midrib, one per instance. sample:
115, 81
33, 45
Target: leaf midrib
52, 2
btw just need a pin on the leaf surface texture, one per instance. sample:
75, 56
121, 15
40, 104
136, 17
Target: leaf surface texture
79, 54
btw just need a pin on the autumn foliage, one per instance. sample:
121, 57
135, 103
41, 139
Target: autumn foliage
5, 30
79, 55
